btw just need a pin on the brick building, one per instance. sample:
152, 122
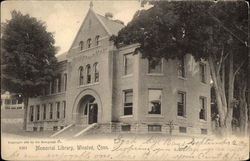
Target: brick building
119, 91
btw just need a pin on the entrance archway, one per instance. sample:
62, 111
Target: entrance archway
87, 110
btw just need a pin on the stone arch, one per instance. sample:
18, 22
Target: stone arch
76, 111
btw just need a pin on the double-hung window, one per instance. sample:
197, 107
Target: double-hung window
128, 64
44, 111
128, 102
155, 65
202, 113
58, 110
154, 101
181, 109
31, 113
38, 112
202, 73
50, 111
181, 67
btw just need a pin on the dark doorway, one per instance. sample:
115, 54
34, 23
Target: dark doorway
93, 110
87, 110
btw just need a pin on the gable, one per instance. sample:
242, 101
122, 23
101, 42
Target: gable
90, 28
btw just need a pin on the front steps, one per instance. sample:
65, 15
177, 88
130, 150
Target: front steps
73, 131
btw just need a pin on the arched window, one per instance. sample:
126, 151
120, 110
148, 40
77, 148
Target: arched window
96, 72
89, 43
97, 40
81, 75
88, 71
81, 45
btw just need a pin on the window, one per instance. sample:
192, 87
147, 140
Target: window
202, 73
44, 111
52, 87
7, 101
126, 127
50, 111
41, 128
181, 67
81, 75
81, 45
202, 113
154, 128
62, 127
204, 131
97, 40
65, 81
7, 107
54, 128
47, 88
19, 100
96, 70
13, 101
181, 104
88, 69
31, 113
89, 43
182, 129
154, 101
128, 64
155, 65
55, 85
38, 112
128, 102
34, 128
59, 83
58, 110
64, 108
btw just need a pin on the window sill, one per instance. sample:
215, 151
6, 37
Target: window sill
155, 132
203, 83
183, 78
182, 117
86, 49
126, 116
202, 120
155, 74
42, 121
127, 76
90, 84
54, 94
155, 115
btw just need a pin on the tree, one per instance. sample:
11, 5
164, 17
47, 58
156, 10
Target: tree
216, 32
240, 93
28, 56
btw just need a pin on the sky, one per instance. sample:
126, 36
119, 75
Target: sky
63, 18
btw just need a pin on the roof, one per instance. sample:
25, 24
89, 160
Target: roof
113, 26
61, 57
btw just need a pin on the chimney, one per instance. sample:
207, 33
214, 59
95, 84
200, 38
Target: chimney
109, 15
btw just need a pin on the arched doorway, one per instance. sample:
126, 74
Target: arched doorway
87, 110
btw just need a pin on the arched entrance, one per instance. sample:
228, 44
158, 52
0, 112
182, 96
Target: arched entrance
87, 110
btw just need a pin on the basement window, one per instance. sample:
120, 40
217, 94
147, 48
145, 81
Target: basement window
204, 131
126, 127
182, 129
154, 128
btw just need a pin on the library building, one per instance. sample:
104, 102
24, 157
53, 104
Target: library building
105, 89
